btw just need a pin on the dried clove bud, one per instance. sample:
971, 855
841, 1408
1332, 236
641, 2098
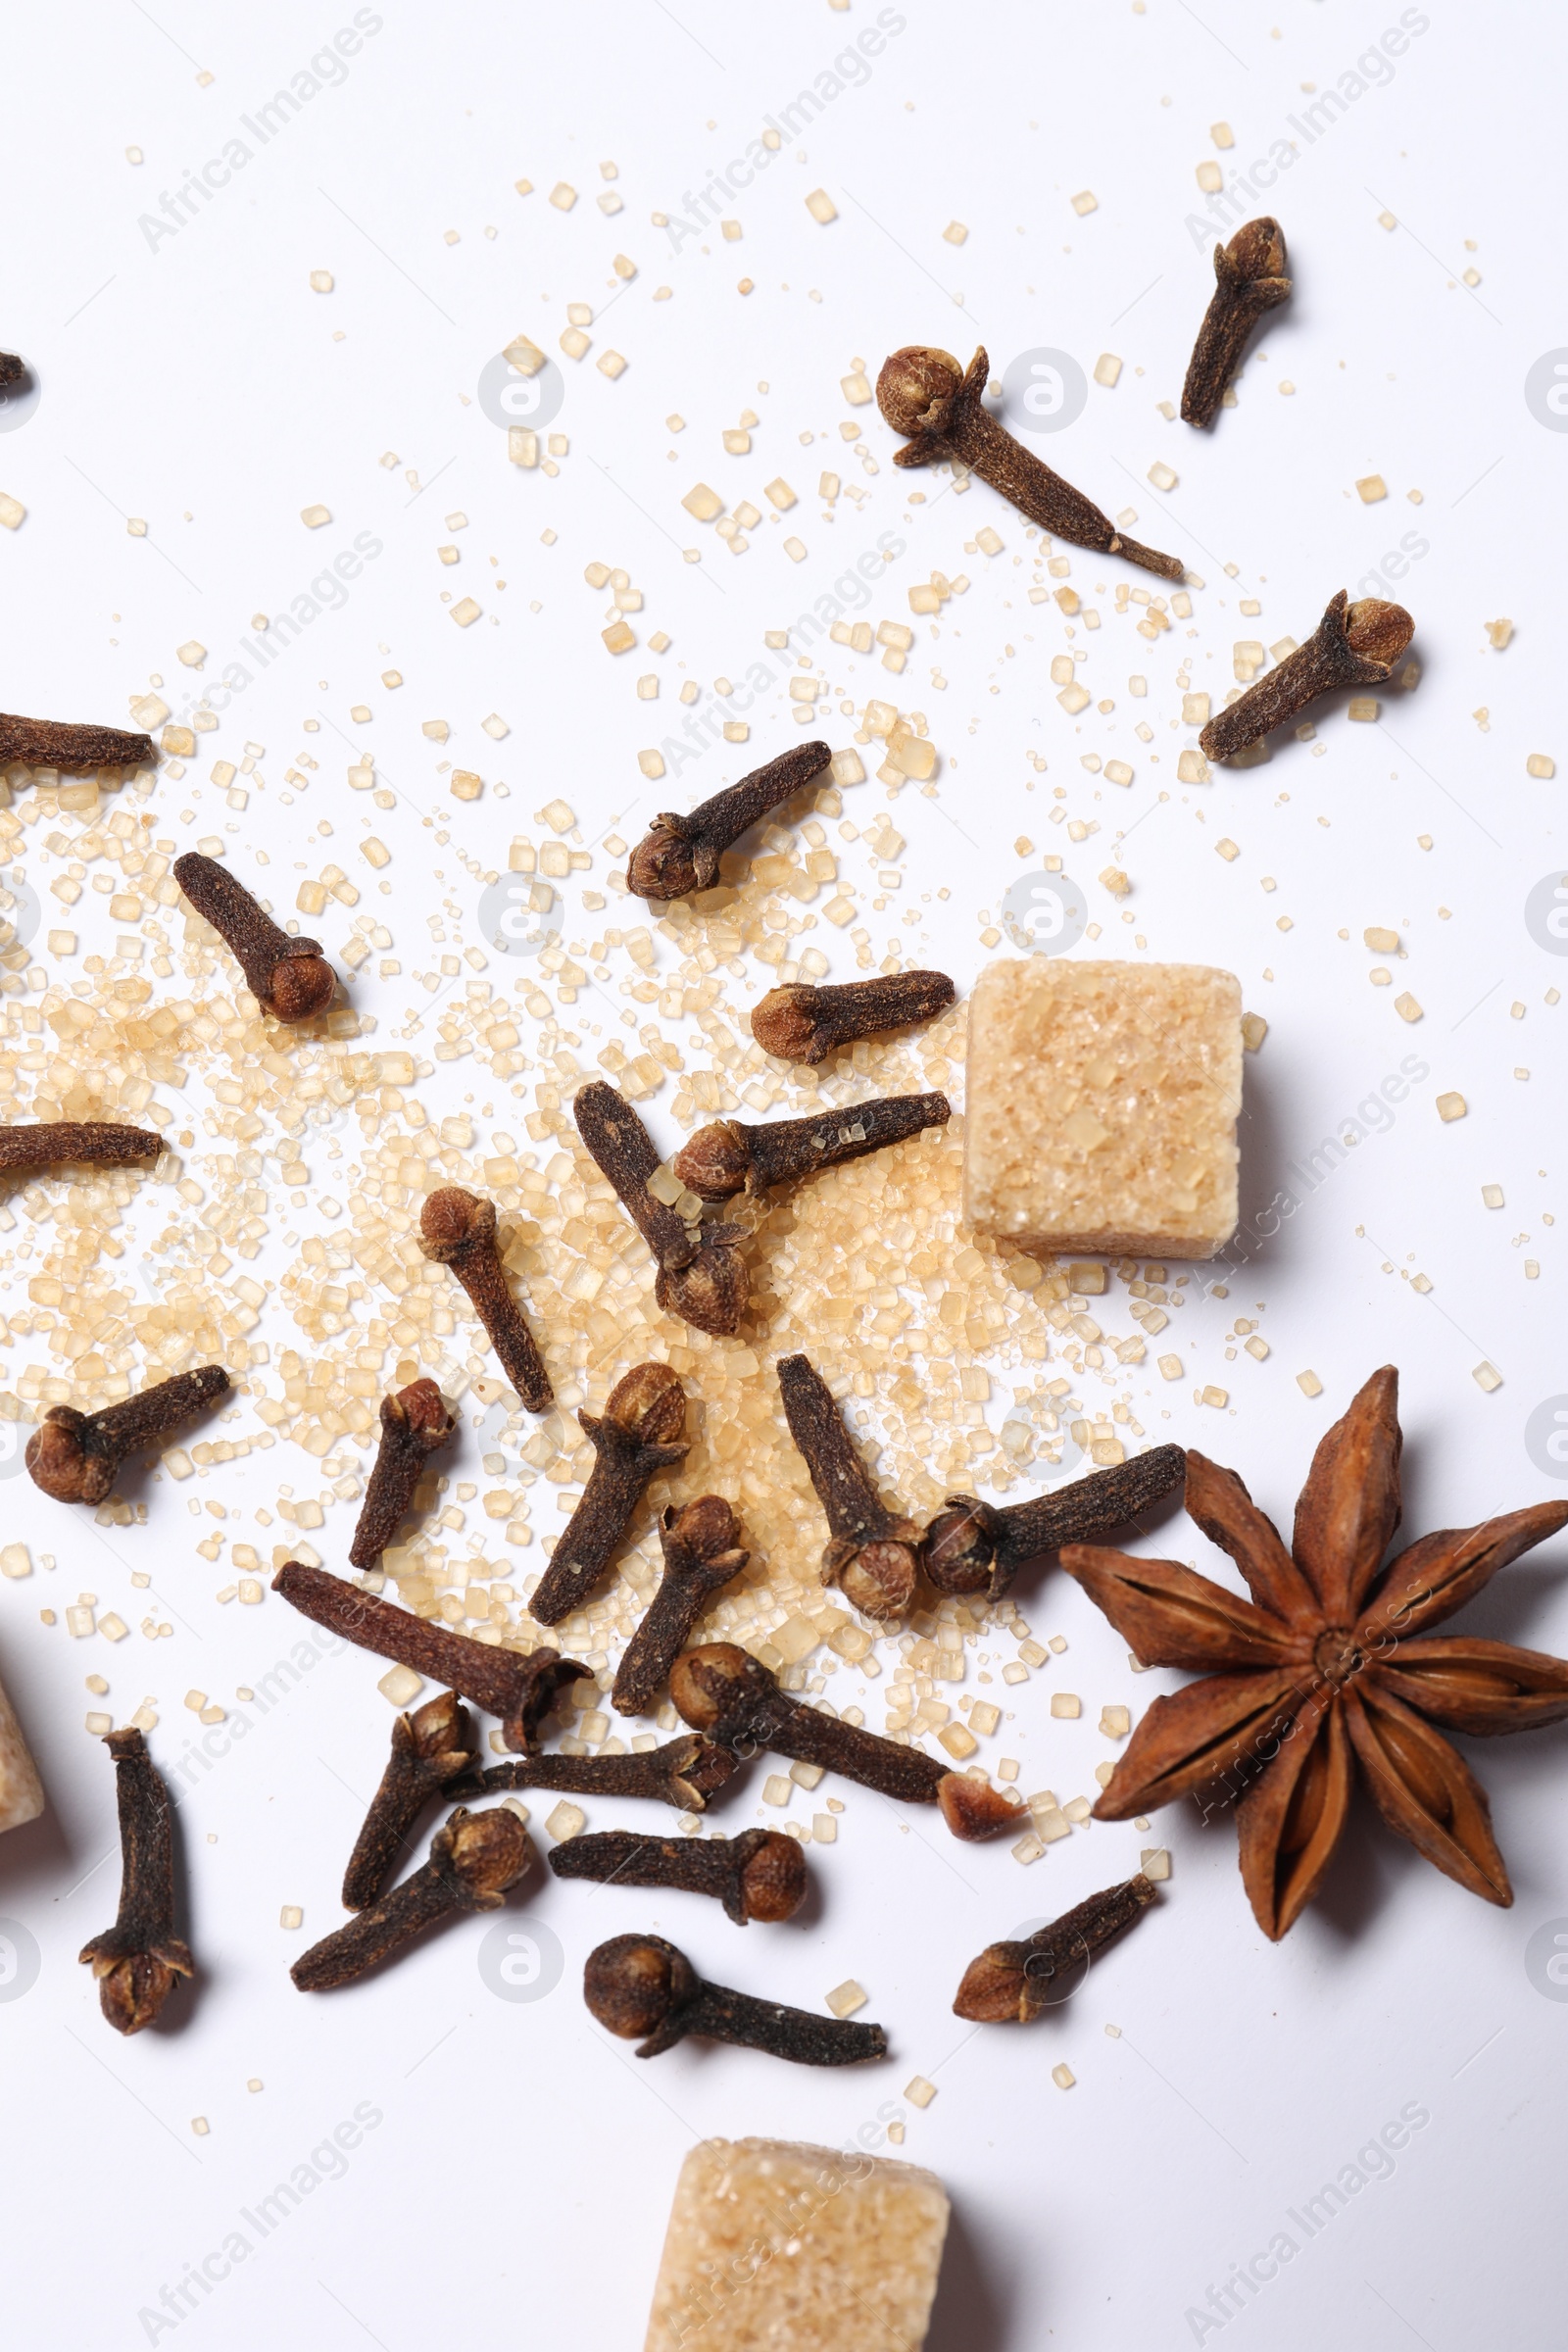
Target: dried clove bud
972, 1546
288, 978
1013, 1982
458, 1229
681, 853
801, 1023
730, 1157
873, 1553
684, 1773
702, 1552
520, 1690
59, 742
923, 392
1251, 279
472, 1862
723, 1691
84, 1142
74, 1456
700, 1274
139, 1960
641, 1985
11, 368
430, 1749
415, 1424
1353, 645
758, 1875
638, 1435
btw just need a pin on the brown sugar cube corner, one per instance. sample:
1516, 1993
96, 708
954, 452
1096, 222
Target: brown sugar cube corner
1102, 1100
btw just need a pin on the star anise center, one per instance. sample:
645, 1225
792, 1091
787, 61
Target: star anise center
1338, 1656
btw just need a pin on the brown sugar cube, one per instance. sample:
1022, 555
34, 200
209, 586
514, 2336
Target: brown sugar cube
774, 2243
1102, 1100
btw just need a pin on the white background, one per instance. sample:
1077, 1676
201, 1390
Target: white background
519, 2176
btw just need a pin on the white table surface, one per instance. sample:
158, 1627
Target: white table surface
516, 2172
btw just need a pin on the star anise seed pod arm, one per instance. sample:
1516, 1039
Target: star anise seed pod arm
1218, 1501
1174, 1617
1482, 1688
1350, 1507
1212, 1728
1289, 1821
1425, 1791
1437, 1575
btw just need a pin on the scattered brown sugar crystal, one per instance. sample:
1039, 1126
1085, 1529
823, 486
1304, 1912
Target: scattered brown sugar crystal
774, 2246
801, 1023
1249, 275
681, 853
1103, 1105
289, 978
88, 1143
60, 743
1353, 645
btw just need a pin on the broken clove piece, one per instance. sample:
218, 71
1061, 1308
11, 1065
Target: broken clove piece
415, 1424
1013, 1982
680, 854
801, 1023
640, 1984
458, 1229
139, 1960
729, 1158
723, 1691
289, 977
1251, 279
873, 1554
82, 1143
972, 1546
60, 743
520, 1690
638, 1435
700, 1274
473, 1860
684, 1773
1353, 645
702, 1552
758, 1875
74, 1456
923, 392
11, 367
430, 1749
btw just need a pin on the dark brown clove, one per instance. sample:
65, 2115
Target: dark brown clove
520, 1690
415, 1424
11, 368
758, 1875
458, 1229
75, 1457
684, 1773
925, 393
1012, 1984
60, 743
1353, 645
289, 978
139, 1960
1249, 275
430, 1749
873, 1553
972, 1546
730, 1157
640, 1984
724, 1693
681, 853
702, 1552
700, 1274
472, 1862
801, 1023
84, 1142
638, 1435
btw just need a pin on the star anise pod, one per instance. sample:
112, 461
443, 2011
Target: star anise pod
1328, 1667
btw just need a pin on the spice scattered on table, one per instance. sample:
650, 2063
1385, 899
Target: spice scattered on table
289, 977
729, 1156
639, 1986
457, 1229
684, 1773
1328, 1667
415, 1424
139, 1960
700, 1273
430, 1749
1014, 1982
758, 1875
74, 750
1353, 645
74, 1456
681, 853
473, 1860
873, 1553
701, 1543
81, 1143
801, 1023
639, 1433
972, 1546
1251, 279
